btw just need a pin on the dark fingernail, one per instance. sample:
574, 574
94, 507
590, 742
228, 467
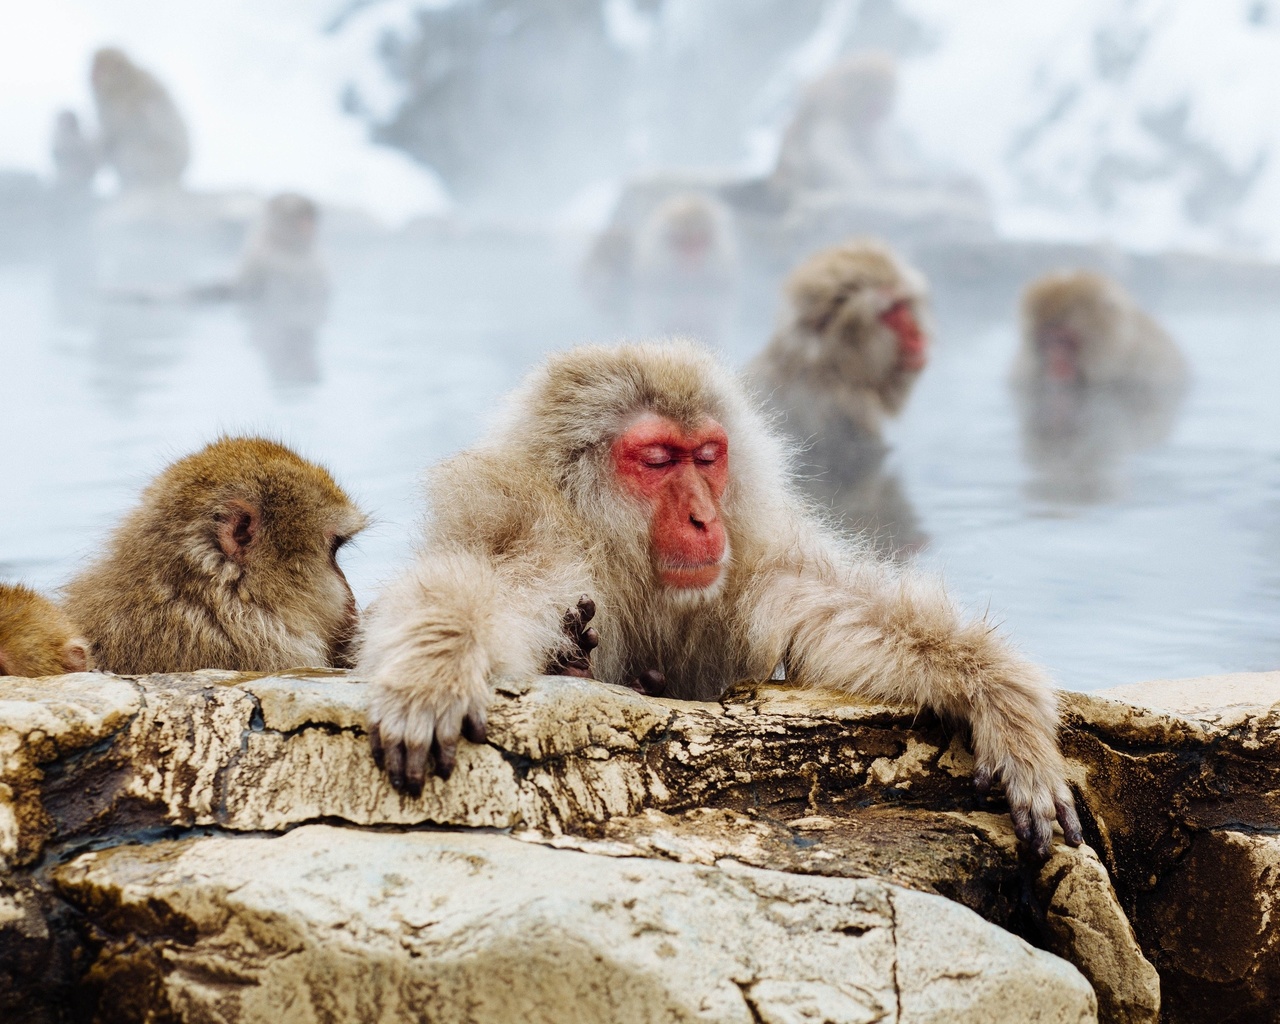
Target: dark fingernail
474, 731
655, 683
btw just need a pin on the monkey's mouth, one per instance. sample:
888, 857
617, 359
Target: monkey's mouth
691, 575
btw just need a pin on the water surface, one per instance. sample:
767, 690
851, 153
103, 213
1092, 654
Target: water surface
1175, 571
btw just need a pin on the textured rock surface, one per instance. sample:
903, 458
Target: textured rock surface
773, 778
326, 923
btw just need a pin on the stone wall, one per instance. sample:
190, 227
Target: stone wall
221, 847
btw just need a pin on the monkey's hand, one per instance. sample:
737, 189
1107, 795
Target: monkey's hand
1033, 775
411, 727
575, 660
432, 642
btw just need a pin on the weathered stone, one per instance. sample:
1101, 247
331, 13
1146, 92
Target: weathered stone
334, 924
772, 777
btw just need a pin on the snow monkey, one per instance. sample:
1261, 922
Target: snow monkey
229, 561
1081, 329
36, 637
1096, 380
142, 134
832, 140
851, 345
853, 340
644, 477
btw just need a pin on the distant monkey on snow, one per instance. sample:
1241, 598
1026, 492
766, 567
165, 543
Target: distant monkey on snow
643, 477
142, 134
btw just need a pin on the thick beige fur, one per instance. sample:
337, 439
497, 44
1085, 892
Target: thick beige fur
165, 597
831, 368
523, 523
36, 637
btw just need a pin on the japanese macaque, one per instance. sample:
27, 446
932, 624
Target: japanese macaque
143, 137
686, 264
75, 156
852, 342
832, 140
644, 477
687, 239
229, 561
1096, 380
36, 637
284, 286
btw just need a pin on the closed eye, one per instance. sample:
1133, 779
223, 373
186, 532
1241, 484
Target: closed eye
707, 454
656, 457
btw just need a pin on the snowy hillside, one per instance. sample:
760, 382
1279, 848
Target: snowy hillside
1151, 123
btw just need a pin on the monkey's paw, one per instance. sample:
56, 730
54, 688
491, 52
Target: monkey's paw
411, 727
1037, 798
576, 659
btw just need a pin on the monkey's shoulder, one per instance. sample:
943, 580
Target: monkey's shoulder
488, 500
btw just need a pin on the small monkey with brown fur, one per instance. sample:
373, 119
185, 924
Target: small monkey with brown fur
853, 341
644, 477
229, 561
36, 637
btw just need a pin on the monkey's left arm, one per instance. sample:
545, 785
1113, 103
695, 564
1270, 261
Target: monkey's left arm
867, 629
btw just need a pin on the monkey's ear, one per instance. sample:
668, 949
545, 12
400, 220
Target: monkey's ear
75, 655
238, 525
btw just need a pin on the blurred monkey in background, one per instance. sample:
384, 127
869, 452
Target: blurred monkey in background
852, 343
1096, 379
142, 135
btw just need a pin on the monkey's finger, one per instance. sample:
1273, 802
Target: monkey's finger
375, 743
395, 765
982, 781
1041, 838
415, 768
1021, 823
589, 640
1069, 821
444, 757
653, 683
474, 728
586, 609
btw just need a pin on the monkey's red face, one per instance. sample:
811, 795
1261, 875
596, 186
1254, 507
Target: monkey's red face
1060, 354
913, 346
680, 476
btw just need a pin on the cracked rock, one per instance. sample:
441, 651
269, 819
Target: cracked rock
327, 923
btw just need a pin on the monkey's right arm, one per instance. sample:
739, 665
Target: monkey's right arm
436, 638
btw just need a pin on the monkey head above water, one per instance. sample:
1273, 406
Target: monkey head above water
229, 561
1081, 329
36, 637
644, 477
851, 345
